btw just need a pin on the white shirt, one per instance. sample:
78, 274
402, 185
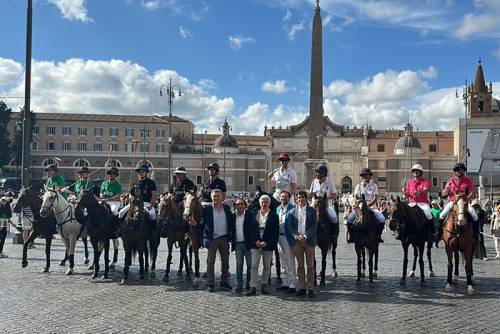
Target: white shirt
284, 179
301, 215
282, 216
262, 222
369, 190
326, 187
220, 222
240, 235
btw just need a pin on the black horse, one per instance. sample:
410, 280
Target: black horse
45, 227
100, 227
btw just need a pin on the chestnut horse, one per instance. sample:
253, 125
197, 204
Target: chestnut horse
193, 211
364, 234
458, 236
327, 234
410, 225
45, 227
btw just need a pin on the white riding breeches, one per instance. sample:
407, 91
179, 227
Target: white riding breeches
115, 207
449, 207
152, 212
425, 208
332, 214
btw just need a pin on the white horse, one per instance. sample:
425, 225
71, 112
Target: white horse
67, 225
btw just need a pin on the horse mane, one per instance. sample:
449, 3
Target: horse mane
173, 211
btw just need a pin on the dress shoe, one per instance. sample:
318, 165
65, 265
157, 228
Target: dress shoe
252, 292
291, 290
282, 288
311, 294
300, 292
225, 286
238, 288
263, 289
211, 288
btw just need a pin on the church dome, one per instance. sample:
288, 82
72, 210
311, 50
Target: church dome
225, 143
407, 142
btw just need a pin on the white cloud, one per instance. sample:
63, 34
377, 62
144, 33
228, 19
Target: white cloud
278, 87
496, 52
259, 114
151, 4
185, 33
72, 9
236, 42
12, 72
294, 29
287, 16
195, 12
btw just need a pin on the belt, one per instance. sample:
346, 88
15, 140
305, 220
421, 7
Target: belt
282, 233
222, 236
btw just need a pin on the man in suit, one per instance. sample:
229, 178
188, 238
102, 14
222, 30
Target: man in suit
217, 225
286, 255
239, 246
262, 229
300, 229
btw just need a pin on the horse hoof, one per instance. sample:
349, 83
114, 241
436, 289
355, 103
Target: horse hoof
411, 274
165, 279
142, 277
45, 270
105, 277
472, 280
358, 279
91, 267
24, 264
371, 280
179, 273
62, 263
422, 283
448, 288
279, 280
152, 274
69, 272
375, 274
322, 283
431, 274
470, 290
86, 261
455, 280
123, 282
188, 277
335, 274
112, 266
363, 275
94, 275
402, 281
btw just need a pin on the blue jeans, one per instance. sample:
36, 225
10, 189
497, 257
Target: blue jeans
242, 253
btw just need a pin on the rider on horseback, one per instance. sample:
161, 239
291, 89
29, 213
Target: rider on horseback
459, 186
111, 189
416, 191
322, 185
213, 182
54, 180
369, 189
181, 185
283, 178
82, 183
145, 188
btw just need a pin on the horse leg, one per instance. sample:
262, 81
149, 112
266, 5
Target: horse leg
97, 255
170, 244
468, 270
116, 245
142, 252
429, 258
33, 235
184, 257
375, 267
324, 254
421, 249
405, 262
63, 261
371, 254
86, 250
48, 244
71, 255
145, 255
128, 262
278, 267
334, 258
457, 263
359, 255
106, 259
415, 257
197, 263
191, 259
449, 254
364, 261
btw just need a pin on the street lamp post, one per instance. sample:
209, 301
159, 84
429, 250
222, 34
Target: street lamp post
26, 126
492, 134
466, 93
171, 96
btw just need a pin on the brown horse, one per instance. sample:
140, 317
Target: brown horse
410, 225
45, 227
458, 236
135, 233
364, 234
171, 217
327, 234
193, 211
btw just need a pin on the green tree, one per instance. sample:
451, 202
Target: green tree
16, 149
4, 134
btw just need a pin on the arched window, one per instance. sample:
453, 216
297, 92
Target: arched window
49, 161
114, 163
346, 184
81, 163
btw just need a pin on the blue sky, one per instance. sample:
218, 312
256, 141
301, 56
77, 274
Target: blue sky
248, 60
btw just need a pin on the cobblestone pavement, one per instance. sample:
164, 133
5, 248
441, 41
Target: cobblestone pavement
54, 303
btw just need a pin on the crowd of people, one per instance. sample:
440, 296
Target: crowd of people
227, 224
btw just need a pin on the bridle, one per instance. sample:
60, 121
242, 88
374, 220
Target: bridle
69, 208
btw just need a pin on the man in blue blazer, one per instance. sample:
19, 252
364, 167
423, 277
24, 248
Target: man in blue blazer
300, 229
287, 257
217, 225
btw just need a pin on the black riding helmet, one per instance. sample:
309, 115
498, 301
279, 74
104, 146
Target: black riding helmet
365, 171
113, 170
458, 166
142, 166
51, 167
83, 169
321, 169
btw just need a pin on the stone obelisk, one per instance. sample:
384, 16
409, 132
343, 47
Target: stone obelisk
315, 130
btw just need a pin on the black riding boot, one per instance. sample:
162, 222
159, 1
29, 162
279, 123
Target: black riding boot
432, 229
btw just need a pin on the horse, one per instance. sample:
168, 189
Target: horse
193, 211
100, 228
327, 234
67, 225
85, 252
458, 236
135, 233
171, 217
364, 234
255, 206
45, 227
410, 225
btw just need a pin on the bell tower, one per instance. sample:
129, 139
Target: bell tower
479, 96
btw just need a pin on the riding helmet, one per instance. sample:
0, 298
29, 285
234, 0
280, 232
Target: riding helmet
213, 165
321, 169
51, 167
180, 170
143, 166
459, 165
83, 169
113, 170
417, 167
365, 171
284, 157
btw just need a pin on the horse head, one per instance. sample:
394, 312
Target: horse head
27, 197
320, 203
460, 208
397, 214
361, 209
192, 207
49, 199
